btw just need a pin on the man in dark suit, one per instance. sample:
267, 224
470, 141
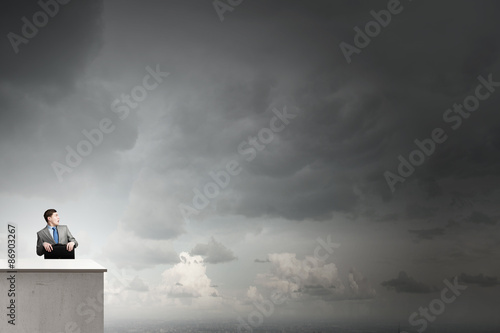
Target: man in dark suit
54, 233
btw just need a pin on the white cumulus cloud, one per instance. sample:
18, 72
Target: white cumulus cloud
310, 277
187, 279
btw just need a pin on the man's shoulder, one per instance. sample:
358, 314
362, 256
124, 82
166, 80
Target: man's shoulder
60, 226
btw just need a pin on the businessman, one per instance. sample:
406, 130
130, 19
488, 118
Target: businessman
54, 233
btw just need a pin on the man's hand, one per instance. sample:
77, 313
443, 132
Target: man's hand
47, 247
70, 246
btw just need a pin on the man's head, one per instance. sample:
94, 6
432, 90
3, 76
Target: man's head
51, 217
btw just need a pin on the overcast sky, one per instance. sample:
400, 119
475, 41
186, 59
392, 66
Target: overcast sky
203, 153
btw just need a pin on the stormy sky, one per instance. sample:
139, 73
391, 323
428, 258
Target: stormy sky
339, 159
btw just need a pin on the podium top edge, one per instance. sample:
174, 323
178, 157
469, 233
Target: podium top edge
53, 265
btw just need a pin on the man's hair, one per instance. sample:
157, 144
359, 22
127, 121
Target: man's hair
48, 213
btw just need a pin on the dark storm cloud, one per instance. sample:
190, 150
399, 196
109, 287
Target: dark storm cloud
451, 224
428, 233
374, 215
415, 211
432, 68
213, 252
471, 250
45, 101
406, 284
460, 200
387, 217
351, 123
58, 52
480, 279
222, 108
477, 217
352, 126
352, 120
46, 68
261, 261
430, 187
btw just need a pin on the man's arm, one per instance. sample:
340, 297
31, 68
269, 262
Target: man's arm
71, 238
39, 245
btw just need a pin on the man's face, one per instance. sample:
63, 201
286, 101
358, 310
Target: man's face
53, 220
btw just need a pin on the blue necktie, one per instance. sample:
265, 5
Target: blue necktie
56, 235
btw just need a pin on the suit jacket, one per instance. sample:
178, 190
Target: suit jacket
44, 235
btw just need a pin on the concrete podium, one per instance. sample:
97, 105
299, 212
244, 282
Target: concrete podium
52, 296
